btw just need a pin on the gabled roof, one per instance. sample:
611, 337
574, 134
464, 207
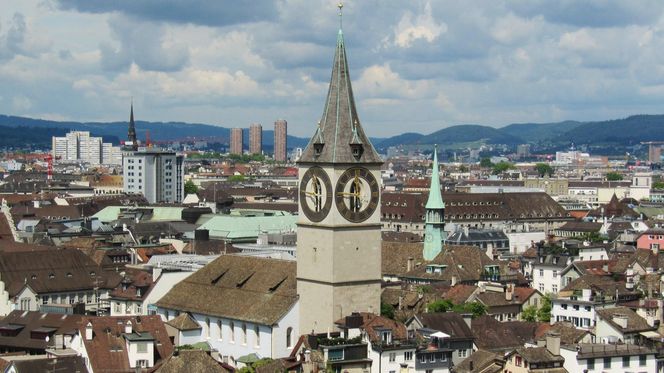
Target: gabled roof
340, 125
450, 323
107, 350
481, 361
191, 361
635, 323
183, 322
538, 355
491, 334
254, 289
27, 321
372, 324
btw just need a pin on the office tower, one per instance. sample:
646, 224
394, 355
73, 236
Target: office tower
236, 141
156, 174
280, 144
255, 138
77, 146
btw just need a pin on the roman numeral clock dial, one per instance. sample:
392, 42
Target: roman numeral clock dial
356, 194
315, 194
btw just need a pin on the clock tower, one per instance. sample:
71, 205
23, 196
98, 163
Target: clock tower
338, 234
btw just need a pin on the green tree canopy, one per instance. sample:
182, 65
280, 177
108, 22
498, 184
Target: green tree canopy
529, 313
544, 169
190, 187
658, 185
613, 176
486, 163
387, 310
544, 313
501, 167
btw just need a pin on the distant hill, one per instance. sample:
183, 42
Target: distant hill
619, 132
159, 131
627, 131
535, 132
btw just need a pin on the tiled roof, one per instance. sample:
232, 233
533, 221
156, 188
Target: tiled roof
466, 263
538, 355
481, 361
568, 333
372, 323
450, 323
598, 350
245, 288
107, 350
635, 323
460, 293
191, 361
395, 256
31, 320
492, 334
184, 321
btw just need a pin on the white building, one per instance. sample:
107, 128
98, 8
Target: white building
242, 305
156, 174
79, 146
546, 273
608, 358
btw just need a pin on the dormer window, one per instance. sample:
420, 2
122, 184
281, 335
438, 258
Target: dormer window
386, 336
318, 149
357, 150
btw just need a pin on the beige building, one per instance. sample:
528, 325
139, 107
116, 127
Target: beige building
339, 238
552, 187
255, 138
280, 140
236, 141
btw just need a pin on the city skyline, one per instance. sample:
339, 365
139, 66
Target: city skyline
428, 64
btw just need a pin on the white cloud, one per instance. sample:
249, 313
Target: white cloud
412, 28
577, 40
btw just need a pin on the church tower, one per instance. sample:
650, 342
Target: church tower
338, 234
131, 133
434, 226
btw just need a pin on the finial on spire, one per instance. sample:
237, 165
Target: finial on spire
340, 5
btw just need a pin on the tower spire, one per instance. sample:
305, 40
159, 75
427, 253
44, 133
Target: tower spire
131, 133
434, 225
341, 138
341, 16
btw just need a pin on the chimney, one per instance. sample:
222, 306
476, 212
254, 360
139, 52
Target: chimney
605, 267
88, 331
454, 280
465, 231
467, 318
553, 343
509, 292
410, 263
655, 249
620, 320
128, 329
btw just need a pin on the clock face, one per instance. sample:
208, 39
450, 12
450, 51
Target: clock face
315, 194
357, 194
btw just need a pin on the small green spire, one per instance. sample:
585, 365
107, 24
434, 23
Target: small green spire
435, 200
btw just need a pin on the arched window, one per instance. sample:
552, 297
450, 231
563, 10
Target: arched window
220, 327
289, 337
232, 327
258, 336
244, 333
207, 327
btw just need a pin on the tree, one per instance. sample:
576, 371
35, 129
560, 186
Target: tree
236, 178
544, 313
486, 163
658, 185
501, 167
529, 313
544, 169
443, 305
190, 187
613, 176
463, 168
477, 309
387, 310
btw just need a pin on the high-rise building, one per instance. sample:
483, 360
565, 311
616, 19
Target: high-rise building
523, 151
338, 234
236, 141
255, 138
280, 141
79, 146
156, 174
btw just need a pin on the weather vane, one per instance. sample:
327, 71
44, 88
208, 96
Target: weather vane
340, 6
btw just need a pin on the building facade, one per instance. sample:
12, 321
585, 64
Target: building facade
255, 138
236, 141
79, 146
280, 140
156, 174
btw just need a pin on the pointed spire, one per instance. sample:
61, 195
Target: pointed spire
340, 127
131, 133
435, 200
341, 16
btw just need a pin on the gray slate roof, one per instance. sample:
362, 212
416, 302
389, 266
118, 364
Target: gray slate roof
340, 125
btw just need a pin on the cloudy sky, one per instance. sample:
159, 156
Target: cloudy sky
415, 65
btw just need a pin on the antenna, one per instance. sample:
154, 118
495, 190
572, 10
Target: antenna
340, 6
